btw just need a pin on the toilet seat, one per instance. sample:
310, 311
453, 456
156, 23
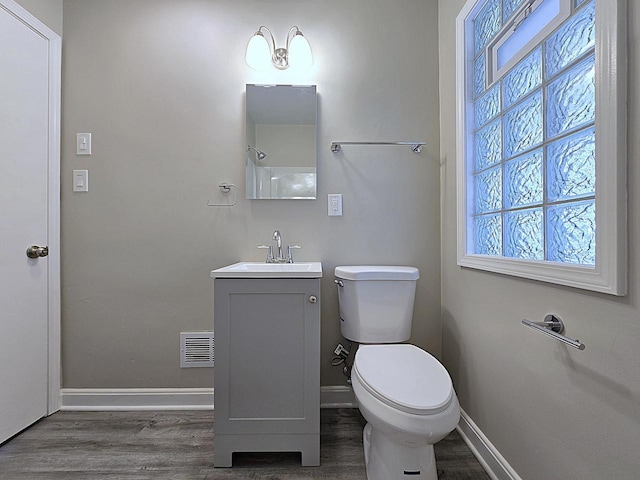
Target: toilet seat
404, 377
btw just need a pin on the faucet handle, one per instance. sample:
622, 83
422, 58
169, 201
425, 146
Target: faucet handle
289, 254
270, 254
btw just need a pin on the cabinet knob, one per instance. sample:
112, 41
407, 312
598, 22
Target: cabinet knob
313, 299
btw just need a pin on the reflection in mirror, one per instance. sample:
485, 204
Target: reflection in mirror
281, 142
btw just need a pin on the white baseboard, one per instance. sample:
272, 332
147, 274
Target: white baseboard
109, 399
486, 453
337, 396
106, 399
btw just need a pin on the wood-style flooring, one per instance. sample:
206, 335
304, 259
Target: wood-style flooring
179, 446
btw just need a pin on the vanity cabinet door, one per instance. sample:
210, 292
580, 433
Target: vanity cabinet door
267, 366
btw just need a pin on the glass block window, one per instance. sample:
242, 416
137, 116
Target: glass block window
571, 41
528, 24
529, 141
538, 178
523, 78
524, 24
524, 234
523, 125
509, 7
486, 24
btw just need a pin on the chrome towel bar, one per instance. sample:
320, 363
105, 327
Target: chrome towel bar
416, 147
553, 327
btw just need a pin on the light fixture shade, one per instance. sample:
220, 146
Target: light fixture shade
300, 52
258, 55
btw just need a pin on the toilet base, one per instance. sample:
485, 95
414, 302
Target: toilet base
388, 460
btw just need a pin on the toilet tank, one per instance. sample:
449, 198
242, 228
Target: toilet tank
376, 302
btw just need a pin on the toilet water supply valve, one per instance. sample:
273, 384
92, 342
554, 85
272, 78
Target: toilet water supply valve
341, 356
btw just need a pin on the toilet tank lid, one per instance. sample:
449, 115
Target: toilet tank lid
377, 272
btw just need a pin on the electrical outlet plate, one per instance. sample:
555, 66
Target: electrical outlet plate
334, 204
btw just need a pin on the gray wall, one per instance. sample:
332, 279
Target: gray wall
552, 411
48, 12
160, 85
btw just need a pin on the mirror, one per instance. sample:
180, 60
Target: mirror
281, 142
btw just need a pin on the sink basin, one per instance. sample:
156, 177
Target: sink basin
269, 270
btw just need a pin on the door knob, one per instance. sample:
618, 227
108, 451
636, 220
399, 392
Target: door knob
313, 299
34, 251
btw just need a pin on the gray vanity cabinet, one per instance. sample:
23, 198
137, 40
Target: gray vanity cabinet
267, 367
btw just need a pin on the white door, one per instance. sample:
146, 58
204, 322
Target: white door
24, 196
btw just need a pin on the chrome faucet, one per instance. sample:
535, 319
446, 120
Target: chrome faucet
279, 258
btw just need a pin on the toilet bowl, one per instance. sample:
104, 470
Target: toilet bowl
404, 393
408, 400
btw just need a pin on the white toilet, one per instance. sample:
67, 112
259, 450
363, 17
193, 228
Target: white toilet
403, 392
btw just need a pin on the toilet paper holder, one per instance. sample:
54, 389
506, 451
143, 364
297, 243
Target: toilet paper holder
554, 326
225, 188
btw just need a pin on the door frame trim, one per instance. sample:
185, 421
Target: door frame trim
53, 200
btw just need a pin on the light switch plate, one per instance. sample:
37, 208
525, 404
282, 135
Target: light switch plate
335, 204
83, 144
81, 180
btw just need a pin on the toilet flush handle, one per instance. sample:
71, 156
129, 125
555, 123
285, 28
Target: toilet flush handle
340, 283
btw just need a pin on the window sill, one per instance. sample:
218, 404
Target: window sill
587, 278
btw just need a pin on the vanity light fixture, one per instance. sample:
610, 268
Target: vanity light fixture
261, 53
